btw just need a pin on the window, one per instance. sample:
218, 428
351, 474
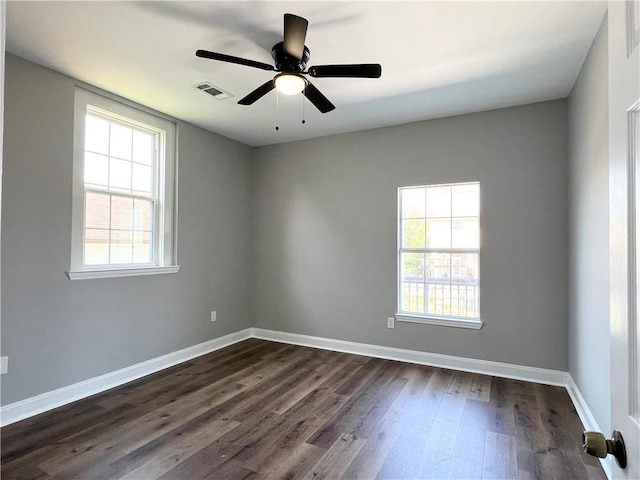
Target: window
123, 190
438, 254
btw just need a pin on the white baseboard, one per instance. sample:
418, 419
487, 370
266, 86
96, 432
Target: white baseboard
47, 401
497, 369
587, 418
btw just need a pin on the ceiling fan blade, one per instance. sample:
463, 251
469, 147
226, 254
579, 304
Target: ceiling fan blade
229, 59
314, 95
362, 70
258, 93
295, 32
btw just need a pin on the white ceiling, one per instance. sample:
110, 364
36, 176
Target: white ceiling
438, 58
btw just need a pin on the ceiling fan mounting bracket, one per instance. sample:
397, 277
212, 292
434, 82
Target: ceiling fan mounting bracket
288, 63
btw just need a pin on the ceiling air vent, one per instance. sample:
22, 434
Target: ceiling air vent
212, 90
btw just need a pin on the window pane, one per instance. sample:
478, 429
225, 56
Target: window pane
142, 247
142, 179
438, 267
439, 233
121, 213
120, 141
143, 147
413, 267
465, 200
439, 202
142, 214
439, 299
120, 175
96, 134
412, 297
464, 268
413, 205
96, 247
413, 233
97, 210
464, 233
121, 246
96, 169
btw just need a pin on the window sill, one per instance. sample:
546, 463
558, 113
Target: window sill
446, 322
120, 272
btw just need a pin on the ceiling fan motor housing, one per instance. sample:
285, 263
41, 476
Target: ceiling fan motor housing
287, 63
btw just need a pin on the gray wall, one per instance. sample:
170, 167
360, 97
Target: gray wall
589, 239
325, 232
57, 332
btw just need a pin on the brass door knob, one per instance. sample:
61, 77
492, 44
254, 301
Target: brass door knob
595, 443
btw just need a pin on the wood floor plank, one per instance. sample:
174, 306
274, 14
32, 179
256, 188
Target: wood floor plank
29, 472
274, 384
444, 429
148, 383
336, 461
499, 457
303, 388
172, 453
310, 413
407, 452
17, 446
407, 405
80, 466
132, 435
371, 457
296, 465
265, 410
45, 446
434, 464
228, 453
351, 417
471, 385
470, 440
502, 402
555, 409
201, 375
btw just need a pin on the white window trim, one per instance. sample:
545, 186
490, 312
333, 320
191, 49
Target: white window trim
427, 318
472, 323
121, 272
167, 223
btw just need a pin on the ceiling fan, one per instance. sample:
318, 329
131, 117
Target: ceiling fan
291, 57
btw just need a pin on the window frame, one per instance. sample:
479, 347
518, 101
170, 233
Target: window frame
431, 318
164, 218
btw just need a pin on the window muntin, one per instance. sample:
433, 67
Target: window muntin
438, 254
123, 202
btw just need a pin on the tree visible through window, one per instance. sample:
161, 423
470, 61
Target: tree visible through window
438, 254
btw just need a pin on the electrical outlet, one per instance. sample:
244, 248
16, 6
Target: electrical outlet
214, 316
391, 322
4, 365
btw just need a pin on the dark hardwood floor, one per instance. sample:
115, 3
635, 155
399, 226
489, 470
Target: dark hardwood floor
267, 410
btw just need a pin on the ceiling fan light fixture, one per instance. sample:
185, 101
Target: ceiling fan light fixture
290, 83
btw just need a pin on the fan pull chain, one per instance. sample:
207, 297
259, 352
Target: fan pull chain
303, 102
277, 109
